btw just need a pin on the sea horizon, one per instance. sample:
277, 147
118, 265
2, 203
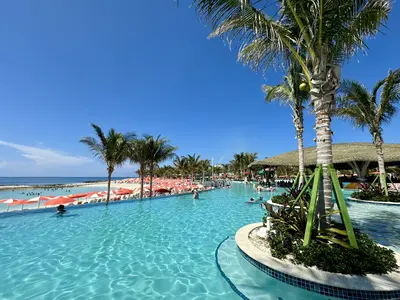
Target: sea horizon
40, 180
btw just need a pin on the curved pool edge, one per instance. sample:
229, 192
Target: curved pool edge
331, 284
373, 202
227, 279
279, 205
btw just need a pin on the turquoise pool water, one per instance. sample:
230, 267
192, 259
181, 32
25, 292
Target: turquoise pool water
158, 249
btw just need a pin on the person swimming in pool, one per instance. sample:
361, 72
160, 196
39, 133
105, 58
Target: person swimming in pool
61, 209
251, 199
196, 195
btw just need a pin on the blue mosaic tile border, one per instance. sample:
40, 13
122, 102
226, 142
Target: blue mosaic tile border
231, 284
322, 289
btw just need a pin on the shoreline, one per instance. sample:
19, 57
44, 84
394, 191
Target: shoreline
52, 186
96, 202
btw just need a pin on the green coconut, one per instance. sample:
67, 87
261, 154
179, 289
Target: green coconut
303, 86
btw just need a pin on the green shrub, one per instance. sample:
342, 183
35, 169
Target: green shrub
369, 258
284, 199
374, 195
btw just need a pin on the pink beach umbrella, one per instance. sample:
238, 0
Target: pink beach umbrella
59, 200
40, 198
12, 201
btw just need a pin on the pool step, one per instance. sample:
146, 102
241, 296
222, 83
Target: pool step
250, 283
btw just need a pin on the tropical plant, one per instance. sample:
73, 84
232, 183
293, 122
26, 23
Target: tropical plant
193, 165
139, 153
111, 149
363, 109
326, 33
180, 164
241, 161
375, 193
329, 250
158, 150
204, 166
290, 94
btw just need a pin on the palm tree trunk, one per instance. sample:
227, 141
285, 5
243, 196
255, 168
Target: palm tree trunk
203, 177
324, 84
300, 146
298, 124
141, 181
151, 179
378, 142
108, 185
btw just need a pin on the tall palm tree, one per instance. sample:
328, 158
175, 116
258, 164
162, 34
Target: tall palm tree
158, 150
238, 163
138, 153
193, 164
327, 32
111, 149
361, 107
204, 166
180, 164
290, 94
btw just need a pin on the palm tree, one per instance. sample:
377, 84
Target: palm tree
193, 164
289, 93
180, 164
138, 153
204, 167
111, 149
158, 150
326, 33
361, 107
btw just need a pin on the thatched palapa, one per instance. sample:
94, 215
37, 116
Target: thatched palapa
356, 156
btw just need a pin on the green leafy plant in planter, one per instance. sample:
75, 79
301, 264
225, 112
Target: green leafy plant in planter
329, 249
288, 197
283, 199
375, 193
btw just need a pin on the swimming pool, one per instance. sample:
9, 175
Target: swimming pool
155, 249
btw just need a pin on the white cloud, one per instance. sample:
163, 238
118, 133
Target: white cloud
43, 156
2, 163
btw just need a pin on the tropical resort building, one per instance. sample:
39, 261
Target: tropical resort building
358, 157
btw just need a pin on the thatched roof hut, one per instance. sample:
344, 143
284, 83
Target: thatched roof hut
356, 156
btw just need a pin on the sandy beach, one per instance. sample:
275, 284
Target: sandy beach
53, 186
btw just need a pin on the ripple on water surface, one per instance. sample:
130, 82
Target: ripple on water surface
159, 249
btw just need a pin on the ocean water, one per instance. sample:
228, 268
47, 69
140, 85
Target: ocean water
48, 180
155, 249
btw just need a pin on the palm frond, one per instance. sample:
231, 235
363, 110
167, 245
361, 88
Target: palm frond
390, 97
100, 134
96, 149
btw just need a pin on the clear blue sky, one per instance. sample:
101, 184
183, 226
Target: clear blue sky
148, 67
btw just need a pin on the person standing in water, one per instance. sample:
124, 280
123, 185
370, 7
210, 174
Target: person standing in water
196, 195
61, 210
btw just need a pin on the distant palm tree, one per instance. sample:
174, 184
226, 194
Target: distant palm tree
111, 149
363, 109
139, 153
181, 166
193, 164
289, 93
158, 150
204, 166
